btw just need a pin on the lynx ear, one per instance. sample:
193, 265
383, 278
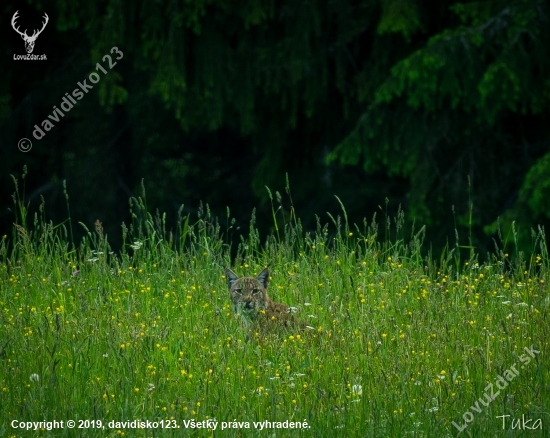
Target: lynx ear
263, 277
231, 278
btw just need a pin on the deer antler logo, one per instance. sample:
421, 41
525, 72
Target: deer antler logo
29, 40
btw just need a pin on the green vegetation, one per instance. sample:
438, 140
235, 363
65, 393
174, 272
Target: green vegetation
401, 345
365, 99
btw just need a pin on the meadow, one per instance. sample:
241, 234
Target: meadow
402, 342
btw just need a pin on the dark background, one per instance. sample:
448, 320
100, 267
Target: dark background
441, 107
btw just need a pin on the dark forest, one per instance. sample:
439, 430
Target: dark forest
438, 107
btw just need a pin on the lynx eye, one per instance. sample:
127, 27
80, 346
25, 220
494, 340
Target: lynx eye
238, 291
255, 291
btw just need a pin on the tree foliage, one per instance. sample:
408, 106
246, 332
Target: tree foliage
471, 101
405, 99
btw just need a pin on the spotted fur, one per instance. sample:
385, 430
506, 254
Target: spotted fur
249, 298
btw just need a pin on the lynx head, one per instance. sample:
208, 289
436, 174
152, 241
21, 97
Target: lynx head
248, 294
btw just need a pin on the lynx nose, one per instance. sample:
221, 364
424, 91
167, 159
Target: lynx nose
249, 305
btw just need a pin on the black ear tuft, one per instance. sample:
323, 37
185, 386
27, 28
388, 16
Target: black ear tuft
263, 278
231, 277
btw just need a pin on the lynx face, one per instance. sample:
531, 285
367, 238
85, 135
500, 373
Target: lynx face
250, 300
248, 294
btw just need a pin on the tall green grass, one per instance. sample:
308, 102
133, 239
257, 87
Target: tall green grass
402, 344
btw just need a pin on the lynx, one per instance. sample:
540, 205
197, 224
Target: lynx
250, 299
